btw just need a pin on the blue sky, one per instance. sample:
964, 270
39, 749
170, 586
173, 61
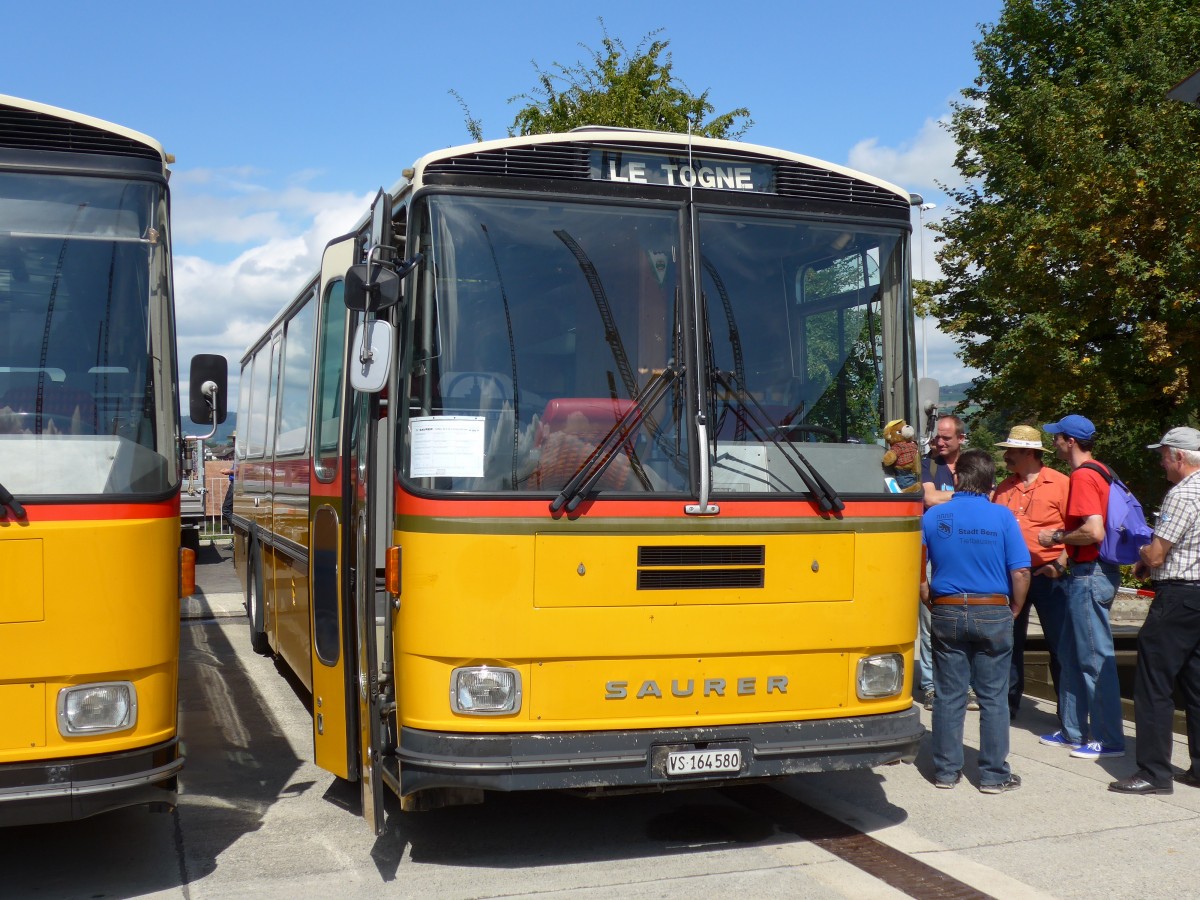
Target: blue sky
285, 118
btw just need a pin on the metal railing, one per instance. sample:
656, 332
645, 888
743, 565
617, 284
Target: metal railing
214, 495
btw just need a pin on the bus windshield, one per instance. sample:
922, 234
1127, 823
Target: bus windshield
541, 328
85, 348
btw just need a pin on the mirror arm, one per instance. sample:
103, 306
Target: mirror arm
365, 353
408, 265
209, 390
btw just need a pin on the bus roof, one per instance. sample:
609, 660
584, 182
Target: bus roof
67, 115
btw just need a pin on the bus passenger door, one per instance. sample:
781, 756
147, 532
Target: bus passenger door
346, 701
331, 543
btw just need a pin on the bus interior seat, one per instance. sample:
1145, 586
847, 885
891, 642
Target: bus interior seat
573, 427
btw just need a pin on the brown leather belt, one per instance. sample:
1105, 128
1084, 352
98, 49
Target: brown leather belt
971, 600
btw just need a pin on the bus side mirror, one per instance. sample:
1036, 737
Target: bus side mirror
371, 356
207, 389
371, 291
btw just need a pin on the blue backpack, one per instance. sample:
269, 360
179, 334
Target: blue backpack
1125, 529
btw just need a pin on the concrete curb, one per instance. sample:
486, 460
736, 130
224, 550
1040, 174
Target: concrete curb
212, 606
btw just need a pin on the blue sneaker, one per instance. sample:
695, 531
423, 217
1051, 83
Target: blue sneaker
1096, 750
1058, 739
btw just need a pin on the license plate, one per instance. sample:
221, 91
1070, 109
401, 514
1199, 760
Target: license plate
701, 762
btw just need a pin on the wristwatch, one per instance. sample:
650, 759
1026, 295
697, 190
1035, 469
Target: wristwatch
1056, 537
1059, 567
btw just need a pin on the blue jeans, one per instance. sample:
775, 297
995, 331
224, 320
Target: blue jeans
923, 670
1047, 596
1089, 697
971, 645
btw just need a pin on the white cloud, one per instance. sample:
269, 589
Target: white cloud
239, 206
920, 164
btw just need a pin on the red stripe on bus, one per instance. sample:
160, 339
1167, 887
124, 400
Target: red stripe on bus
104, 512
407, 504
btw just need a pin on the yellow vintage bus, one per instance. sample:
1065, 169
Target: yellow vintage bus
566, 472
90, 561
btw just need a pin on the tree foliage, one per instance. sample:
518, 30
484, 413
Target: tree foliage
1071, 264
615, 87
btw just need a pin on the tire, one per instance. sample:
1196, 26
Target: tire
254, 608
189, 539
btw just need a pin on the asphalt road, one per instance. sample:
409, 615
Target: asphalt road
257, 818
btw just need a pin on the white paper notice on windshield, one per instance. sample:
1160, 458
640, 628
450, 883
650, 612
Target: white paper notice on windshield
446, 446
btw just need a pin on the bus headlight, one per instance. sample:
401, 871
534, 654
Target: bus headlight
485, 690
880, 676
97, 708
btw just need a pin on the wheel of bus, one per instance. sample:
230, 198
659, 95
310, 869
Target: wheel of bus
254, 607
189, 539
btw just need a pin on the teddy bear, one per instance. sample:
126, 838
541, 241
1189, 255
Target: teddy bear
902, 460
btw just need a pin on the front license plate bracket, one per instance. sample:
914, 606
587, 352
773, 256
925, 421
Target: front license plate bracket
683, 762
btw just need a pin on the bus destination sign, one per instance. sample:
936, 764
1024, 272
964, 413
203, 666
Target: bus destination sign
675, 171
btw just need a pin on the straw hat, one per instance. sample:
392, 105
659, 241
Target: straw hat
1023, 437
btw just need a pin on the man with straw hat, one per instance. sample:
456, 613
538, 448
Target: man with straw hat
1037, 495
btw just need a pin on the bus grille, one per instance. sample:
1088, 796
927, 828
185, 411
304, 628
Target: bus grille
701, 568
702, 556
546, 161
24, 129
571, 161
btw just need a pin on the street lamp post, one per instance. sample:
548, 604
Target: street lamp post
922, 207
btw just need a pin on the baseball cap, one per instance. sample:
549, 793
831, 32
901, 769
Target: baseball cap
1073, 426
1179, 438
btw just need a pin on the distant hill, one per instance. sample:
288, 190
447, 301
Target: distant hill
953, 393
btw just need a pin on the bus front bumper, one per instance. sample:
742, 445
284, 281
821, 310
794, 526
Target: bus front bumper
637, 759
64, 789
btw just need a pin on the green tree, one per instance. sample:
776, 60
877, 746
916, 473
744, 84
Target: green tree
1071, 271
615, 87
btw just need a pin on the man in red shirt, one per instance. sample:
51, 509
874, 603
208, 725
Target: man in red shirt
1037, 495
1089, 695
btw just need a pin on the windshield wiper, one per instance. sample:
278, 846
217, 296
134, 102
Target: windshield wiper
8, 502
826, 496
606, 451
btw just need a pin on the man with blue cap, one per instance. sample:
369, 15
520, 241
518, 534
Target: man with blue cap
1089, 700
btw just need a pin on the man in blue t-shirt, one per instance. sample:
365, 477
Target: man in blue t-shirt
980, 576
937, 478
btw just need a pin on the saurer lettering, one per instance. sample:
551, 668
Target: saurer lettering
747, 686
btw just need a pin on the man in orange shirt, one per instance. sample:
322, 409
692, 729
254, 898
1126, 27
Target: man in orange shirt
1037, 496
